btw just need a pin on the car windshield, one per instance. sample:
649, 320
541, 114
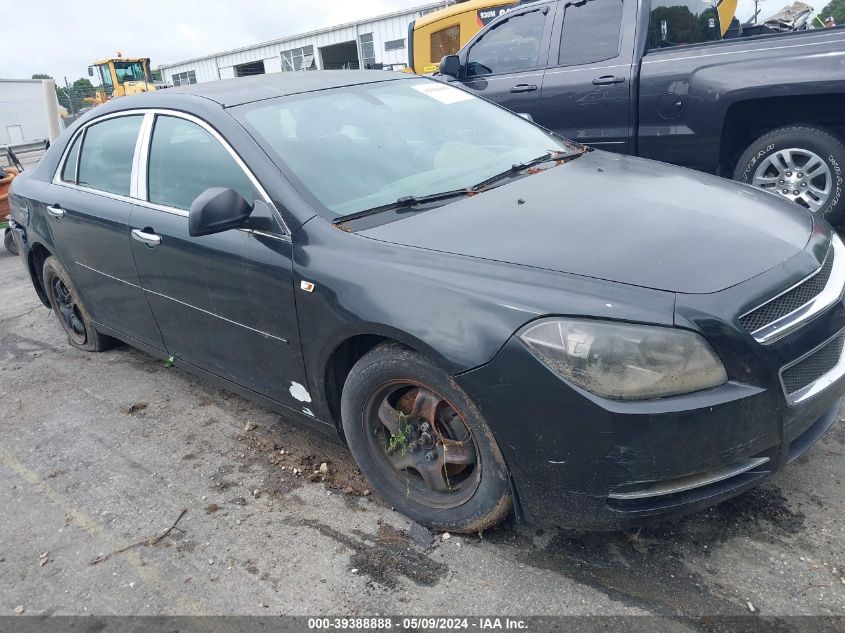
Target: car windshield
365, 146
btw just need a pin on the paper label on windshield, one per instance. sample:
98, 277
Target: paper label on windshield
443, 92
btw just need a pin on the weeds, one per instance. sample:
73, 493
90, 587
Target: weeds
399, 441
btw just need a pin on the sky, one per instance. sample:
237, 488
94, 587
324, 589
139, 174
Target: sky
62, 38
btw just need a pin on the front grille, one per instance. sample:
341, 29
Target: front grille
808, 370
789, 301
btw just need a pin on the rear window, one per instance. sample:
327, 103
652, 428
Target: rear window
682, 22
445, 42
590, 32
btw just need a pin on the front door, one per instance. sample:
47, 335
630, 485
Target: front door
506, 63
88, 208
224, 302
586, 94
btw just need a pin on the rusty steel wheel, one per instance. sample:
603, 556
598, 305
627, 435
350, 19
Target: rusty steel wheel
422, 443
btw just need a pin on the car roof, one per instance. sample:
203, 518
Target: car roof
232, 92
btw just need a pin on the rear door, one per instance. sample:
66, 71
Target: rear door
224, 302
586, 94
88, 206
506, 63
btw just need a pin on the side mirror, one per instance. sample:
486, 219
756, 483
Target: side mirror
450, 65
216, 210
90, 71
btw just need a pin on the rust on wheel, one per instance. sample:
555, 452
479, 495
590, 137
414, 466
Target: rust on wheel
423, 444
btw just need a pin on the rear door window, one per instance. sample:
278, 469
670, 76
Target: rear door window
682, 22
105, 161
590, 32
185, 160
510, 46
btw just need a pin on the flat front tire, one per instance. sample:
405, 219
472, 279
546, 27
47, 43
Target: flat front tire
422, 443
803, 163
68, 307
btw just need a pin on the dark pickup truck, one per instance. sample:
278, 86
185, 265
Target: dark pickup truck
663, 80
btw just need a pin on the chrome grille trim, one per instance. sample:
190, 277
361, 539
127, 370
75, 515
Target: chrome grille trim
822, 382
672, 486
829, 295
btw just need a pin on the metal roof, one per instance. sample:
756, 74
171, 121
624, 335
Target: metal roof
280, 40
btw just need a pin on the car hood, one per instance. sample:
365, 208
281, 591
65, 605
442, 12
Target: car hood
618, 218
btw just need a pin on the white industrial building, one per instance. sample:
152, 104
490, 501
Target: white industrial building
378, 42
24, 112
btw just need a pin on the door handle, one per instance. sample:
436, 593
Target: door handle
524, 88
150, 239
56, 211
606, 80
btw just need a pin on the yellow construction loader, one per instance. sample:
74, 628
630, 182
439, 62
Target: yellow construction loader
121, 76
444, 32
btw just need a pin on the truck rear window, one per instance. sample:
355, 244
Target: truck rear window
682, 22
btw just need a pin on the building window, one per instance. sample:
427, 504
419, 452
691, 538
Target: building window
368, 51
445, 42
299, 59
183, 79
250, 69
394, 45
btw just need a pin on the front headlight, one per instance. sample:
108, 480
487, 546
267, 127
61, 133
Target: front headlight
622, 361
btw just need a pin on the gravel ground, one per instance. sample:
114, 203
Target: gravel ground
100, 451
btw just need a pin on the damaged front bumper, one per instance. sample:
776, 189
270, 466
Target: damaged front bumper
586, 462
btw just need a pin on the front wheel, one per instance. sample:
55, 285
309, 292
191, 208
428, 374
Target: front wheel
422, 443
802, 163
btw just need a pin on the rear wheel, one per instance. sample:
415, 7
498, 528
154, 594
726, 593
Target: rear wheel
9, 242
802, 163
68, 307
422, 443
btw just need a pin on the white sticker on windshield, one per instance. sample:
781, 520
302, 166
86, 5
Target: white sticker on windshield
442, 92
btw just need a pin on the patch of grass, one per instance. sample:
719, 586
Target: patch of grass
399, 441
169, 361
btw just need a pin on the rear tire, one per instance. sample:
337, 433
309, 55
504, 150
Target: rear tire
9, 243
775, 162
436, 460
68, 307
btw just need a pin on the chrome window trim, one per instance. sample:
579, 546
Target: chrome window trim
831, 293
819, 384
57, 175
138, 184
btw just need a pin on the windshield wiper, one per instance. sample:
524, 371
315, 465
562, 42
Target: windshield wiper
404, 202
518, 167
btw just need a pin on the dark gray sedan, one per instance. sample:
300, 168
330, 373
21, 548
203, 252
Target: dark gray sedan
492, 317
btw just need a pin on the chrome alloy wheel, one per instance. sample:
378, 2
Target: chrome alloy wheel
798, 174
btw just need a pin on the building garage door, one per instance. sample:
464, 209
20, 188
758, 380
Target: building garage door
252, 68
341, 56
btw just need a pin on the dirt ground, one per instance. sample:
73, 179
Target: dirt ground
102, 451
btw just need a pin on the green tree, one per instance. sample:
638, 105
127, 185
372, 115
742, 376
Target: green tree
837, 9
71, 98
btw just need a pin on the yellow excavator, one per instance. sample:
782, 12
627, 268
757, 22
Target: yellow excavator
121, 76
444, 32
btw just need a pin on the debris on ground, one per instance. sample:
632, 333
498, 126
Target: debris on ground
445, 536
256, 493
146, 542
211, 508
249, 426
136, 408
19, 609
421, 536
750, 606
43, 558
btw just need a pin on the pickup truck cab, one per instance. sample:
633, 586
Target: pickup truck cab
663, 79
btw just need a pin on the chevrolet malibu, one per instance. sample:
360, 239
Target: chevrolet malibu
494, 319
